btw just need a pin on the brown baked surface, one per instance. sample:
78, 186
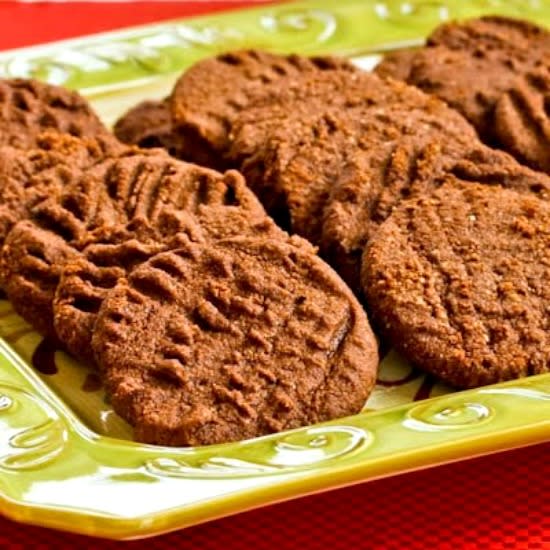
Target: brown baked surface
30, 266
29, 176
209, 95
403, 153
456, 281
190, 202
29, 107
522, 119
244, 337
36, 249
317, 154
148, 125
493, 32
292, 141
397, 64
373, 185
471, 64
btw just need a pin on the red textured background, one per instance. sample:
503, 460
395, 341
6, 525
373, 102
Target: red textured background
498, 502
495, 502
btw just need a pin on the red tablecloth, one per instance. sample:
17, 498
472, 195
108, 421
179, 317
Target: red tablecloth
496, 502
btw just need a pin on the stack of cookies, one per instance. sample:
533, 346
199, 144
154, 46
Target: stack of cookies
164, 255
208, 322
428, 198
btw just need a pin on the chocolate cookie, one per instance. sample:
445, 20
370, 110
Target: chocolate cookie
491, 32
30, 266
29, 107
30, 176
294, 149
199, 205
149, 124
471, 64
209, 95
36, 249
397, 64
372, 185
236, 339
456, 281
82, 283
522, 120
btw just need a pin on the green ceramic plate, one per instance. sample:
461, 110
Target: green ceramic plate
67, 461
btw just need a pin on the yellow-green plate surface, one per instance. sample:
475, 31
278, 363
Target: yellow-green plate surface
67, 461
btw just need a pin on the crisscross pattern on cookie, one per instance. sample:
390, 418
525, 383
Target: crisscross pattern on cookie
245, 337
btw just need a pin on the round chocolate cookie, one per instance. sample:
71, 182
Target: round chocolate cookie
209, 95
471, 64
198, 205
522, 120
457, 282
232, 340
323, 131
28, 107
28, 177
372, 185
148, 125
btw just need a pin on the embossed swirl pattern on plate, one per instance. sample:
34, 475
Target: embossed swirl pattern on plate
420, 11
149, 53
454, 413
408, 13
31, 433
313, 25
458, 412
293, 452
160, 51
